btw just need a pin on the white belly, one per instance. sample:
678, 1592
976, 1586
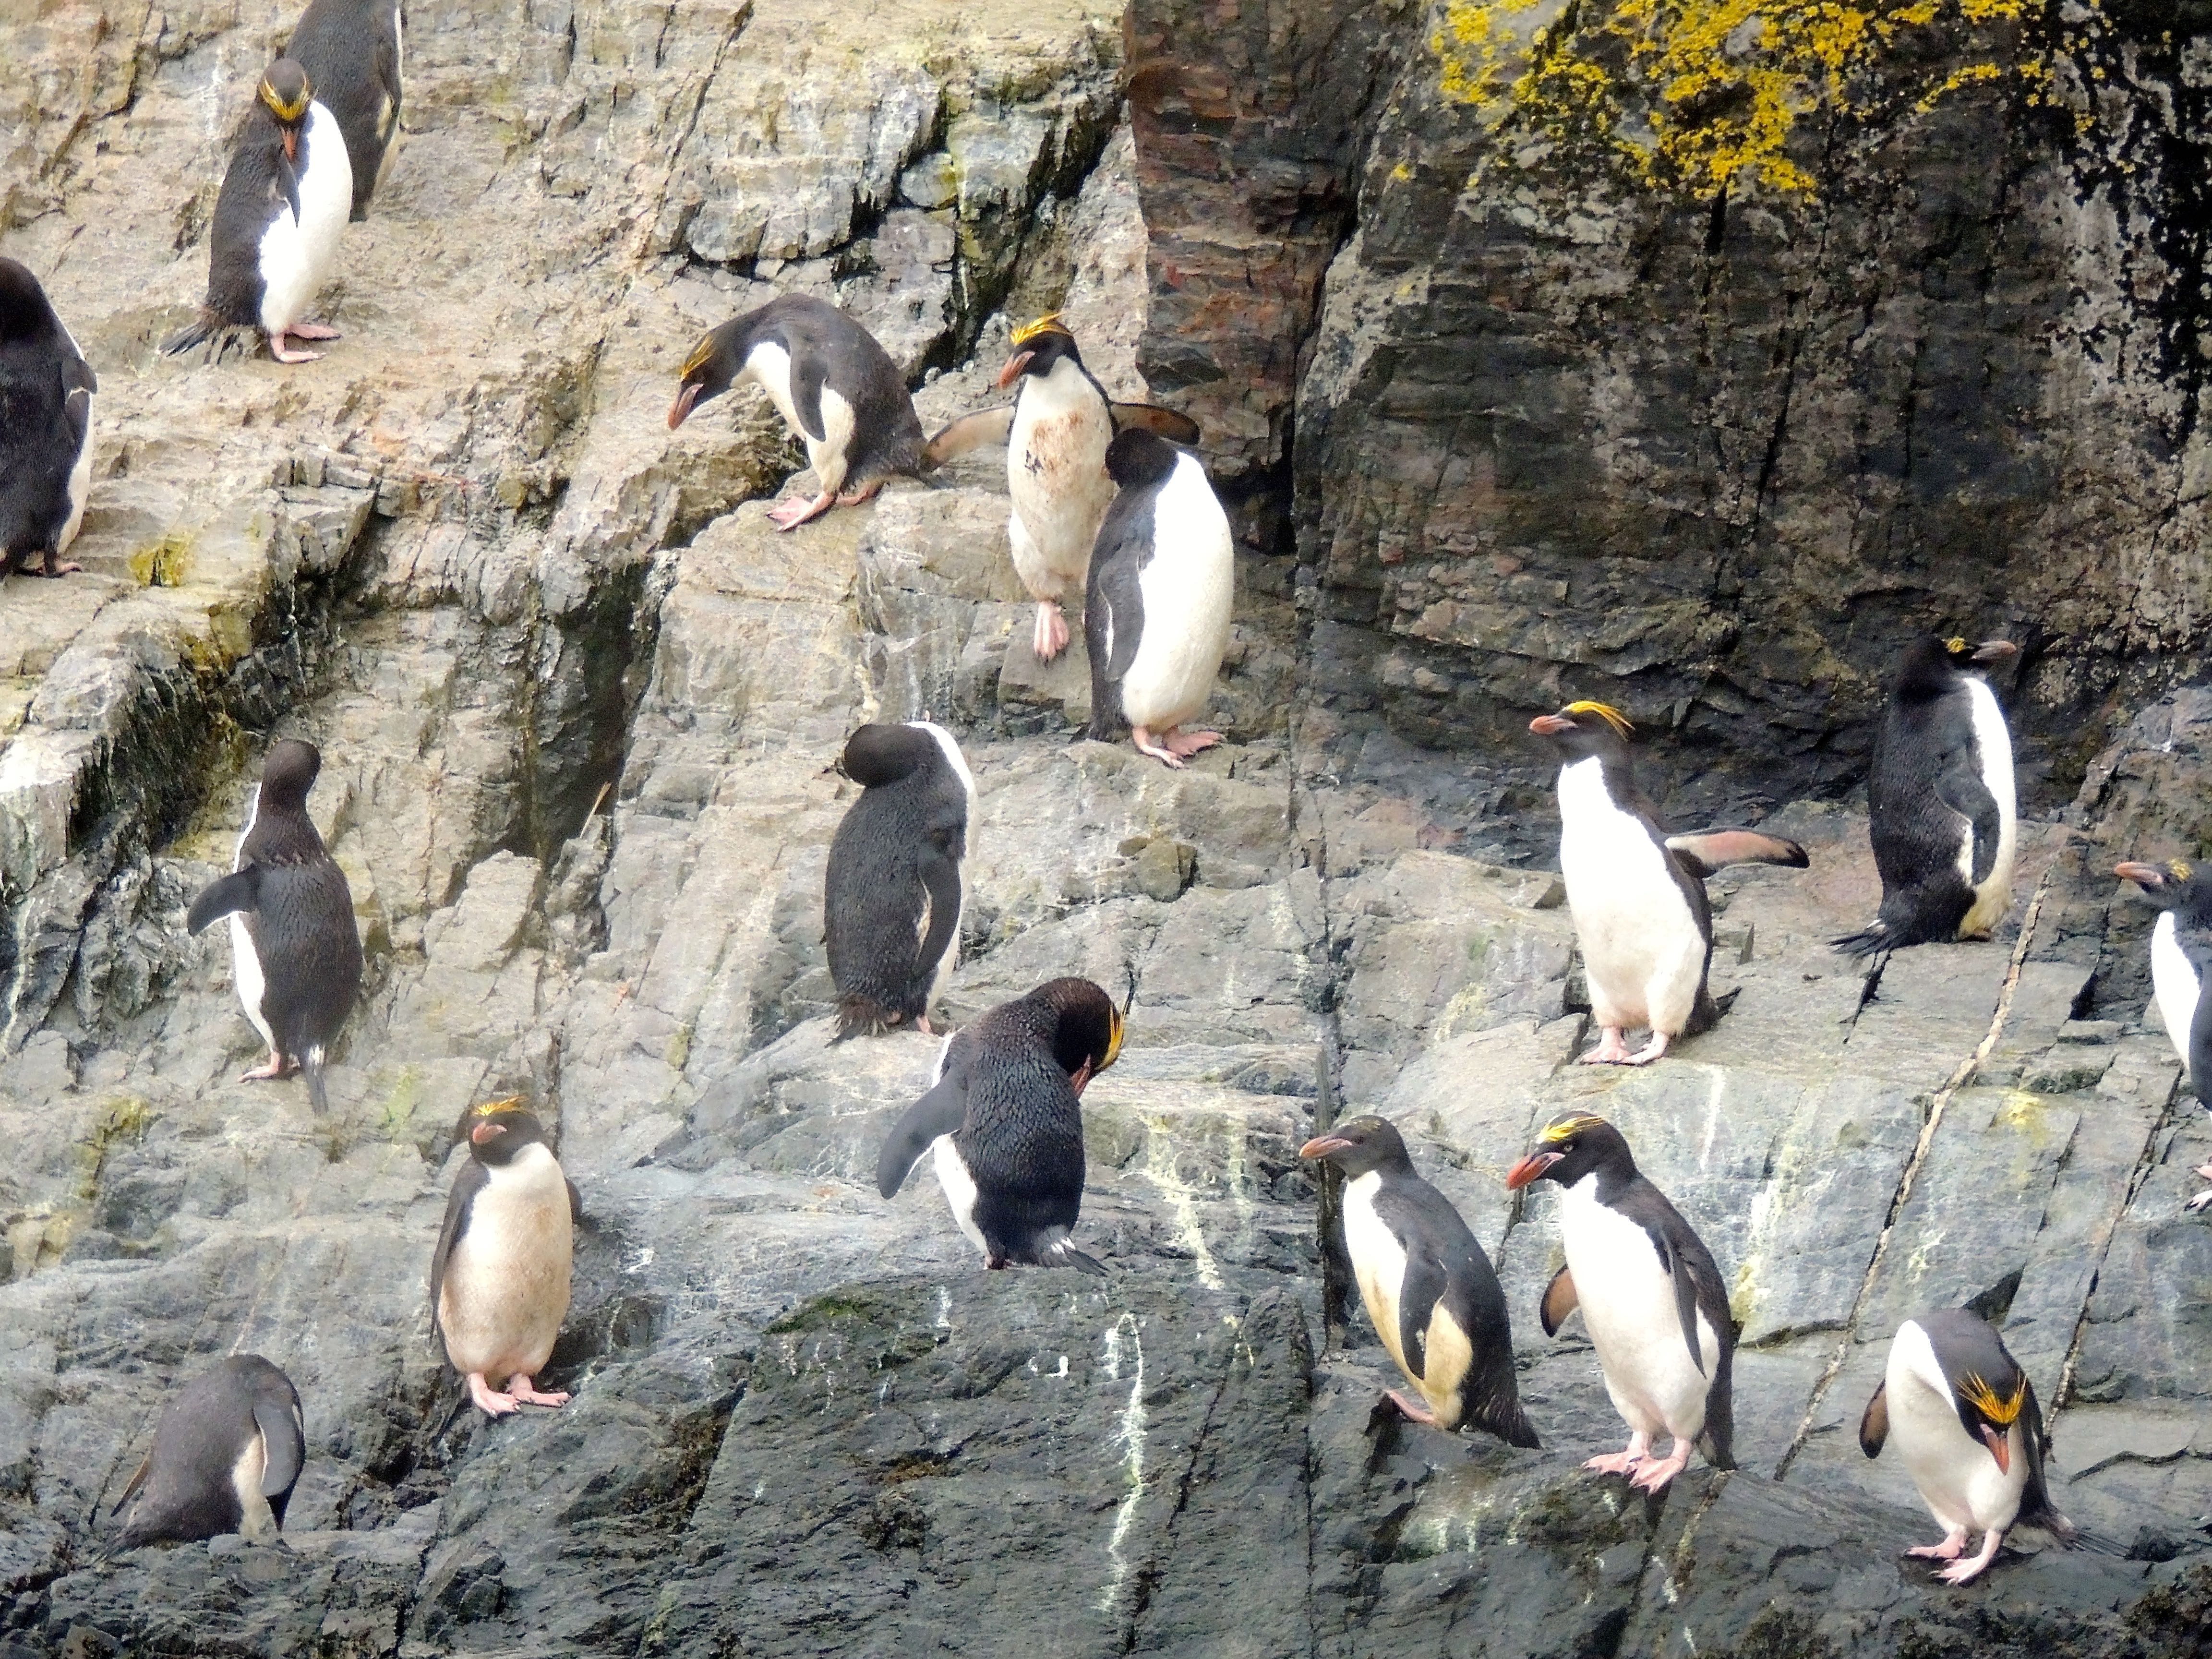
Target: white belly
80, 483
958, 1185
2173, 985
257, 1520
1187, 589
506, 1289
768, 366
1641, 951
1378, 1261
297, 255
952, 958
1993, 744
245, 960
1056, 480
1957, 1478
1627, 1299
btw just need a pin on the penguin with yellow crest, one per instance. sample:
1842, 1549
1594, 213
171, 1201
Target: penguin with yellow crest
1637, 893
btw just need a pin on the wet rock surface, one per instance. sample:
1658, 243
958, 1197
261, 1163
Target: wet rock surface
579, 703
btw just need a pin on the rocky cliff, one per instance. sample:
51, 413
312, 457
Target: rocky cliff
1512, 406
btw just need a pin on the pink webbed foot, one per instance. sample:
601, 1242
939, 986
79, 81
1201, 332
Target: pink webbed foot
1186, 744
922, 1024
1049, 637
1639, 1448
284, 353
1612, 1048
315, 332
1960, 1573
855, 497
789, 515
1649, 1052
1143, 737
274, 1068
1953, 1547
2201, 1199
520, 1390
1653, 1475
1414, 1413
49, 565
489, 1399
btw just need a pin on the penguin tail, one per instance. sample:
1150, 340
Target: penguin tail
202, 328
861, 1016
2049, 1519
1871, 940
1505, 1419
310, 1067
1065, 1254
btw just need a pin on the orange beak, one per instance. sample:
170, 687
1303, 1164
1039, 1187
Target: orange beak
681, 408
1322, 1145
1550, 725
484, 1132
292, 145
1529, 1167
1999, 1448
1012, 371
2148, 875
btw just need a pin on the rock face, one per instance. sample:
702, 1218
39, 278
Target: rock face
579, 702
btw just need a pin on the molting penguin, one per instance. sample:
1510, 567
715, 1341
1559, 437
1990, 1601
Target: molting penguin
498, 1279
226, 1453
833, 384
351, 51
1637, 893
1156, 605
1965, 1416
1429, 1289
277, 220
1939, 801
45, 429
2180, 954
1003, 1118
1648, 1289
892, 897
295, 949
1056, 432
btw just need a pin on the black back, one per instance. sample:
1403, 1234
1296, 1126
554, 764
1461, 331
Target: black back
351, 51
46, 413
1982, 1372
183, 1489
1140, 464
891, 896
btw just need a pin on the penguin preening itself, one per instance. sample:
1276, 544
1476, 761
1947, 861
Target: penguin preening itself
1939, 809
1650, 1294
2180, 954
1156, 602
1636, 893
835, 387
45, 429
499, 1278
1964, 1414
1056, 432
226, 1453
277, 220
351, 51
1430, 1291
1004, 1120
892, 896
296, 948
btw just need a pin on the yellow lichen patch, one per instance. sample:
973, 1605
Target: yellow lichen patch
162, 563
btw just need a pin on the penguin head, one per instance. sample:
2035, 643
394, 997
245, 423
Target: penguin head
1571, 1147
714, 362
884, 753
1138, 457
1038, 347
1583, 729
1932, 666
1359, 1145
2177, 884
289, 772
25, 314
1086, 1036
285, 92
499, 1129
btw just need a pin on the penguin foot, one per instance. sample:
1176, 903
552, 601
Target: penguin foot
1186, 744
489, 1399
282, 355
315, 332
789, 515
1165, 753
1960, 1573
520, 1390
1649, 1052
2204, 1169
1414, 1413
1651, 1476
922, 1024
274, 1068
1639, 1448
2201, 1199
1953, 1547
1611, 1049
1050, 638
855, 497
48, 565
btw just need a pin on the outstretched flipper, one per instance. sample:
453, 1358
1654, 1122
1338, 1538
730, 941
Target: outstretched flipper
240, 891
1704, 851
1175, 429
985, 425
937, 1113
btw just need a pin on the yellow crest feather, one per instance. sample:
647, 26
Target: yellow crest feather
495, 1107
697, 360
1029, 332
1605, 712
1954, 645
1113, 1039
2179, 868
1568, 1127
2002, 1410
279, 108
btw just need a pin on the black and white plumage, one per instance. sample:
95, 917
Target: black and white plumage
1004, 1120
226, 1453
1940, 805
834, 386
1157, 599
1056, 431
1650, 1294
500, 1276
1963, 1415
1636, 892
1430, 1291
277, 220
296, 947
352, 50
45, 429
2180, 968
893, 894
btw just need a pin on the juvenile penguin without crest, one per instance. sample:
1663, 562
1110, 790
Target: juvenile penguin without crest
352, 50
226, 1453
45, 429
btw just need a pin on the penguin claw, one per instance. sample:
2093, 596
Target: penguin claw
1611, 1050
1050, 638
488, 1399
789, 515
2201, 1199
521, 1390
1143, 739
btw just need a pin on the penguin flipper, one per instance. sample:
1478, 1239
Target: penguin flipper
1559, 1301
283, 1449
1685, 1296
1175, 429
77, 375
1707, 850
940, 880
985, 425
808, 374
1424, 1285
1874, 1427
472, 1180
240, 891
287, 185
2035, 1505
77, 408
939, 1112
575, 1202
1962, 790
145, 1468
